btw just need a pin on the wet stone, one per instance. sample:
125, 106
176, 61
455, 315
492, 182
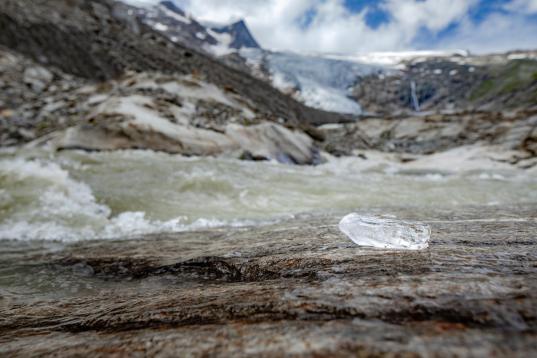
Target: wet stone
293, 286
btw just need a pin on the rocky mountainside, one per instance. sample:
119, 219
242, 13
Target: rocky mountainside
101, 39
499, 137
490, 83
168, 19
100, 79
317, 81
34, 100
150, 110
421, 82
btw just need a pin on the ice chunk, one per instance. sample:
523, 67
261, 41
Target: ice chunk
385, 233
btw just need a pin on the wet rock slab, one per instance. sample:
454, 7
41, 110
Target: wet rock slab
299, 288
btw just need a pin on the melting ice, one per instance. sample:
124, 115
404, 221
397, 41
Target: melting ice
385, 233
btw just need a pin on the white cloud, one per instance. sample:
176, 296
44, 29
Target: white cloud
279, 24
522, 6
497, 33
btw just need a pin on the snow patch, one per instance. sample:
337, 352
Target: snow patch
394, 59
160, 27
223, 45
175, 15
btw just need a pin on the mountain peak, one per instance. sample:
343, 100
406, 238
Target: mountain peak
242, 37
239, 24
170, 5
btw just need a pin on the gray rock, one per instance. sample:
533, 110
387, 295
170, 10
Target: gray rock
38, 78
93, 39
266, 141
178, 114
296, 288
272, 141
432, 133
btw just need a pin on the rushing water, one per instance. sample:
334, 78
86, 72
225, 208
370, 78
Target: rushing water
77, 195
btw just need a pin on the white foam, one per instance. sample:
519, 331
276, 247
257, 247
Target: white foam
63, 209
58, 193
136, 223
50, 194
124, 226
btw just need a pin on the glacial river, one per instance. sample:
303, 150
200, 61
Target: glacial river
71, 196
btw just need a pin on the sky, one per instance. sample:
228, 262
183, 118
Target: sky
361, 26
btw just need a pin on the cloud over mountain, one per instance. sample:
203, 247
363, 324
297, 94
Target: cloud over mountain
352, 26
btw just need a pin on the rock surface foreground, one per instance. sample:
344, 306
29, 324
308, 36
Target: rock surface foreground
295, 288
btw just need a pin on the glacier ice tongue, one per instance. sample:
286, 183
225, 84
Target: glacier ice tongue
385, 233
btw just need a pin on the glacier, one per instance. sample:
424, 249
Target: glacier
318, 81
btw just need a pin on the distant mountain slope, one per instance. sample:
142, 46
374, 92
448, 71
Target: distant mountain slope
168, 19
491, 83
101, 39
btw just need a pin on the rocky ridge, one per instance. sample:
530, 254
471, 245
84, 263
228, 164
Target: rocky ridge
240, 35
100, 40
184, 114
40, 98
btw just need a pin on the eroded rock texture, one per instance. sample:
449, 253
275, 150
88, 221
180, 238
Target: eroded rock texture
298, 288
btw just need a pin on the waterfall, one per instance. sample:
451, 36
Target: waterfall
415, 101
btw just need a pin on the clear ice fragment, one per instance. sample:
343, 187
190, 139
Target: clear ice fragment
385, 233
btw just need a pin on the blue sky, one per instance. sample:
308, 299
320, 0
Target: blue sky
377, 15
358, 26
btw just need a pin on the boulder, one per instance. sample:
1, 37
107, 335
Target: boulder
38, 78
271, 141
266, 141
